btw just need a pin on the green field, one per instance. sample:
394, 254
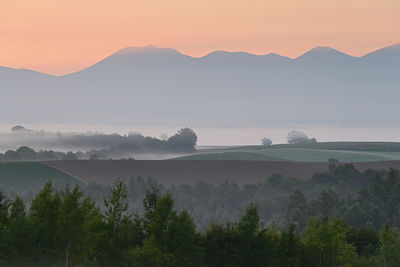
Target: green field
321, 152
240, 155
24, 176
352, 146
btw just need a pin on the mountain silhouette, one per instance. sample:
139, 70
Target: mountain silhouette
151, 85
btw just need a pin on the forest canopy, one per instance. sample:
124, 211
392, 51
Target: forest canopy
66, 227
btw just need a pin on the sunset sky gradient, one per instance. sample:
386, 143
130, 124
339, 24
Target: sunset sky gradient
60, 37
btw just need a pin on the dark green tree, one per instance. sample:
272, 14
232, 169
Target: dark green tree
389, 250
43, 216
19, 238
116, 239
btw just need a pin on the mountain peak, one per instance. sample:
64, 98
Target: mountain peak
223, 53
136, 52
134, 49
323, 54
323, 50
148, 50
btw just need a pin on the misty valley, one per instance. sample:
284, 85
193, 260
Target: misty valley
251, 134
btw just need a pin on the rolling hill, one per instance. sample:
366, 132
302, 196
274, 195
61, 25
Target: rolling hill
298, 154
319, 152
26, 176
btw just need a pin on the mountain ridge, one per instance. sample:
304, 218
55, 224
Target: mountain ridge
151, 85
148, 49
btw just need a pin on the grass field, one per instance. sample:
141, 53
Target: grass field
24, 176
353, 146
239, 155
321, 152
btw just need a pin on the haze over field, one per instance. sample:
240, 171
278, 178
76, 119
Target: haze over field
207, 136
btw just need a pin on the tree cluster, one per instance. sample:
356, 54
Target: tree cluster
224, 202
184, 140
299, 138
373, 205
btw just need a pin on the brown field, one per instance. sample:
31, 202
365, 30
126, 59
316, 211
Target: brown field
192, 172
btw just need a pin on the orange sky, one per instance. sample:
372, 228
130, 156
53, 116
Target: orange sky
63, 36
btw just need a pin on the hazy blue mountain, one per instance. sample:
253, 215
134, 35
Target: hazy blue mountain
150, 85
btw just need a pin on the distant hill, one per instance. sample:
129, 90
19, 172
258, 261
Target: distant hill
151, 85
319, 152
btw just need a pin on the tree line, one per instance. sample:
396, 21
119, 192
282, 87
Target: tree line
281, 200
107, 146
65, 227
342, 191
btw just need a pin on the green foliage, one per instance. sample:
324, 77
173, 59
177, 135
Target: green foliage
365, 240
66, 227
389, 250
326, 242
220, 245
18, 236
171, 233
70, 224
149, 255
117, 226
289, 249
44, 212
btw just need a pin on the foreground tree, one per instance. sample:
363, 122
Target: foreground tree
117, 226
44, 212
19, 235
170, 235
288, 249
74, 216
326, 243
389, 251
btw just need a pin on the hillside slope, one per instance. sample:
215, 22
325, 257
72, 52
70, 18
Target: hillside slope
26, 176
297, 154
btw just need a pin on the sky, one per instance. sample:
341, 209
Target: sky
60, 37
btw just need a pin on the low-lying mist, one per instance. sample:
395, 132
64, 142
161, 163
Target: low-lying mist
22, 143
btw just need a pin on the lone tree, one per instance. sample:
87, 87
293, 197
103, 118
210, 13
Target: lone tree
184, 140
266, 141
297, 137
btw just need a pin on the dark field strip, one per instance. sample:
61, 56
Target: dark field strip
192, 172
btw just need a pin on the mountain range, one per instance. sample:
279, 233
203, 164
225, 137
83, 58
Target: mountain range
150, 85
